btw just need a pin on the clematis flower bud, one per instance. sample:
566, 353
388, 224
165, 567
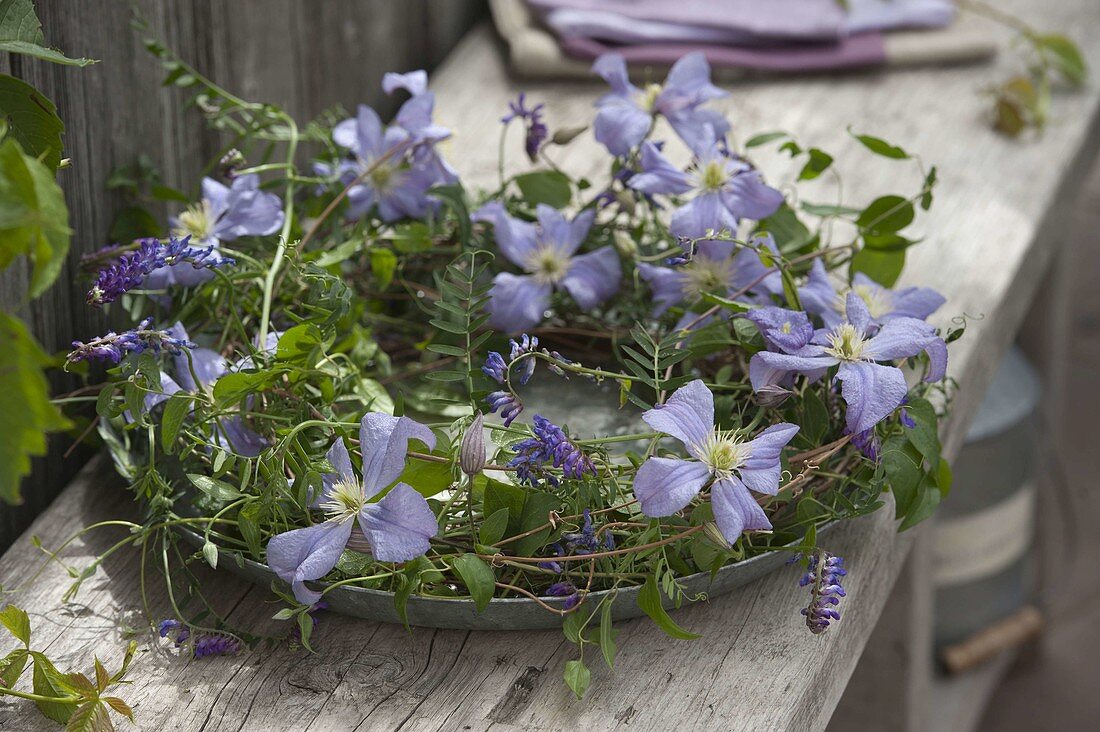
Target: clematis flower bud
471, 457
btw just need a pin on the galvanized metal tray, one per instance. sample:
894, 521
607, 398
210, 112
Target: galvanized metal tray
501, 613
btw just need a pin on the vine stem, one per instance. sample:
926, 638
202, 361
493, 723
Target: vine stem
284, 235
600, 555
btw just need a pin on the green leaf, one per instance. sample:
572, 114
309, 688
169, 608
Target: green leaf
824, 209
28, 414
649, 600
818, 163
33, 219
305, 630
923, 435
48, 681
383, 263
725, 303
454, 197
577, 677
929, 185
928, 498
880, 147
21, 32
176, 410
944, 478
505, 496
32, 119
545, 186
232, 388
412, 237
218, 490
493, 527
607, 635
478, 578
12, 665
884, 267
787, 229
90, 717
122, 707
764, 138
133, 222
299, 344
1067, 57
536, 511
18, 623
427, 478
886, 214
901, 463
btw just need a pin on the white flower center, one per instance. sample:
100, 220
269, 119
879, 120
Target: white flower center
879, 301
713, 176
846, 343
706, 275
382, 177
345, 499
197, 221
548, 264
723, 453
647, 99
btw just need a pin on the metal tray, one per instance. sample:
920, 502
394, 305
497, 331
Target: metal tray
502, 613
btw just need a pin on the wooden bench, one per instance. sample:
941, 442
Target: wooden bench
993, 232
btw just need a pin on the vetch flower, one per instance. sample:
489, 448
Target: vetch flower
549, 447
870, 389
547, 253
508, 403
567, 590
626, 113
537, 131
585, 541
725, 189
215, 645
152, 256
820, 298
398, 527
825, 590
175, 628
724, 461
718, 267
114, 346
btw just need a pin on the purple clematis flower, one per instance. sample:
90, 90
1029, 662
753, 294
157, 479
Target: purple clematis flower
871, 390
719, 267
398, 527
208, 366
820, 298
225, 213
730, 466
725, 189
627, 112
547, 253
397, 189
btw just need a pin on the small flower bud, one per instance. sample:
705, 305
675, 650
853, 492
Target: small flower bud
712, 532
471, 456
566, 135
625, 244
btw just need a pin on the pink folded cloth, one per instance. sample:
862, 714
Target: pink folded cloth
766, 35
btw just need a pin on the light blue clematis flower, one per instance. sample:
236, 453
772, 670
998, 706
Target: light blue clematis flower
872, 390
821, 298
547, 253
725, 189
398, 527
728, 464
626, 113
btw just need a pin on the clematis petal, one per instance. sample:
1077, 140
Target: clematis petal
216, 196
746, 195
665, 283
735, 510
916, 302
658, 174
517, 239
905, 337
818, 295
699, 128
559, 232
809, 360
783, 330
620, 125
206, 364
705, 212
611, 67
234, 435
414, 82
400, 526
341, 463
857, 313
688, 415
761, 471
664, 486
594, 277
249, 211
690, 77
307, 554
517, 303
384, 440
871, 391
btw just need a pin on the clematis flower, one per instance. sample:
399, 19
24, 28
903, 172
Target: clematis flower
725, 189
722, 460
871, 390
415, 118
225, 213
547, 253
208, 366
783, 331
398, 527
626, 113
398, 190
719, 267
820, 298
